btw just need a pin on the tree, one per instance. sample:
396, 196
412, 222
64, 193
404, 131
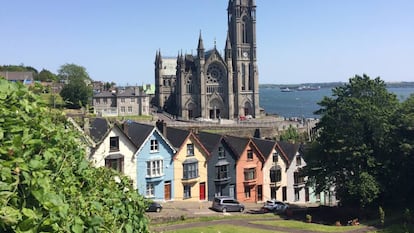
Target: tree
77, 90
47, 76
47, 185
291, 134
353, 145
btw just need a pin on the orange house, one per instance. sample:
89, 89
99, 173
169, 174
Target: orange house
249, 169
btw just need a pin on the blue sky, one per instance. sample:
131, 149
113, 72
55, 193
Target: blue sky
298, 41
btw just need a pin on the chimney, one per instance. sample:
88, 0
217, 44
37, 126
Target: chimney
257, 133
164, 128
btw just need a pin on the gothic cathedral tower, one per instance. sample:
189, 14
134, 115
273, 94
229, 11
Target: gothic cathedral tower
242, 36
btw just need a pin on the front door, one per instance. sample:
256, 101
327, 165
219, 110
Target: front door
167, 190
202, 191
231, 191
259, 193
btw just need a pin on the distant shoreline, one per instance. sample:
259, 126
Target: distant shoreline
332, 85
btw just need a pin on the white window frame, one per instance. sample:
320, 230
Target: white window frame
150, 190
155, 168
154, 145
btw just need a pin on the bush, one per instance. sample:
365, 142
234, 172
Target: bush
308, 218
381, 216
47, 185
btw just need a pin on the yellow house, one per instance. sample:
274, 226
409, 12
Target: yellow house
190, 165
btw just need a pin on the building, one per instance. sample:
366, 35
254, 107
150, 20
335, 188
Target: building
207, 85
154, 163
25, 77
130, 101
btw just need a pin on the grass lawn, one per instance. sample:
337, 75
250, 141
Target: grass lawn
222, 229
247, 217
308, 226
396, 228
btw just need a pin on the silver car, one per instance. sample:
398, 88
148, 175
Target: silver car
275, 206
227, 204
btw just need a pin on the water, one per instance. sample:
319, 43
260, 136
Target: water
304, 103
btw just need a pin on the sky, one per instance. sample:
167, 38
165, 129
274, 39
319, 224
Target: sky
298, 41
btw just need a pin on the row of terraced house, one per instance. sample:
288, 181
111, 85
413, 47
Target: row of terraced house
166, 163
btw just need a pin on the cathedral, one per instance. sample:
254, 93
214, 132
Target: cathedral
206, 84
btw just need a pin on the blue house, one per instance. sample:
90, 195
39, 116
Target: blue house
154, 161
221, 165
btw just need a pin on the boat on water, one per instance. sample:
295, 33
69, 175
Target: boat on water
286, 89
308, 88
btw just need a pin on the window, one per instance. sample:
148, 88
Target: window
297, 197
154, 145
105, 100
221, 152
298, 178
298, 160
250, 174
275, 157
123, 100
98, 100
190, 149
122, 109
187, 191
275, 175
247, 193
221, 172
250, 155
129, 108
113, 144
190, 170
155, 168
150, 190
132, 99
116, 163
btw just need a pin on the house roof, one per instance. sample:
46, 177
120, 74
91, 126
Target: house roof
98, 128
289, 149
17, 75
137, 132
209, 140
237, 144
178, 136
265, 146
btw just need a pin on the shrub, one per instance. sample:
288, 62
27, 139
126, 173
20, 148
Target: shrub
381, 215
308, 218
47, 185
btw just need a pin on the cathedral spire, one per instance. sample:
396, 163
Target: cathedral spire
200, 48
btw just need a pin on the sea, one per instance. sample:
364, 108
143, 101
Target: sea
298, 104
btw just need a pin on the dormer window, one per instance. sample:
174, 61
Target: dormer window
154, 145
249, 155
190, 149
275, 157
113, 144
298, 160
221, 152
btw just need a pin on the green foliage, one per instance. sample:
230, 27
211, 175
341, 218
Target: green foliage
46, 183
308, 218
47, 76
291, 134
381, 214
354, 148
77, 91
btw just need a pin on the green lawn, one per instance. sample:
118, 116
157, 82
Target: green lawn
222, 229
308, 226
396, 228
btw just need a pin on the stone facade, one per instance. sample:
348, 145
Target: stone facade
207, 85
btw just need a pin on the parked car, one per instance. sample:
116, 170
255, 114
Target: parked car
227, 204
275, 206
154, 207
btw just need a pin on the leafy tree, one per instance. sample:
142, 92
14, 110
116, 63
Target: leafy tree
47, 76
77, 91
46, 184
353, 148
73, 72
291, 134
401, 180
